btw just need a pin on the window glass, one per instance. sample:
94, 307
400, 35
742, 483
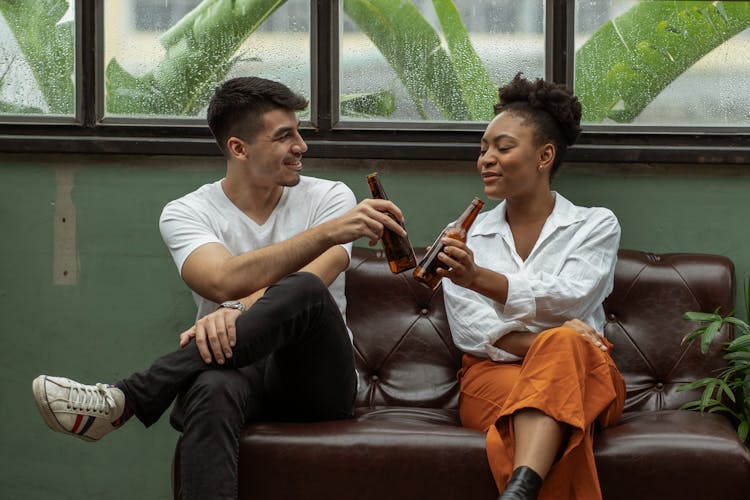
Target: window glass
37, 58
164, 57
435, 60
668, 63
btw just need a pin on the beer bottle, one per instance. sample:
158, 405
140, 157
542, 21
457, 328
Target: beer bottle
397, 248
425, 272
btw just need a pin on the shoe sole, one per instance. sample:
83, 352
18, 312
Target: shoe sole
46, 412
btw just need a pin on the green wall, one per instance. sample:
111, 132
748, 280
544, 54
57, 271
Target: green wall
122, 303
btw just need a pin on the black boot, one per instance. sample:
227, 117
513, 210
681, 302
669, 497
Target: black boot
524, 484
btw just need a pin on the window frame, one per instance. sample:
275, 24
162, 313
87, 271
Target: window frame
327, 137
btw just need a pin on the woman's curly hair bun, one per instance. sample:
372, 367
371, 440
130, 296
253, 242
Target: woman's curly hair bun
554, 98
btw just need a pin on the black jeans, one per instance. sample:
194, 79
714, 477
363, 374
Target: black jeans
293, 361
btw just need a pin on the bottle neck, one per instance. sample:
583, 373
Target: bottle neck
376, 189
468, 216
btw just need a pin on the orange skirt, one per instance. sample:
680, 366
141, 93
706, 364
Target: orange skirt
564, 376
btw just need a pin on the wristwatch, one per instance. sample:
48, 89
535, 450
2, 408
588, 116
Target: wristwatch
234, 304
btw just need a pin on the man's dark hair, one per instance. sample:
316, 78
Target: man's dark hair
238, 105
550, 108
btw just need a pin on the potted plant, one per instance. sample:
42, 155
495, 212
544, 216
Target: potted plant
729, 391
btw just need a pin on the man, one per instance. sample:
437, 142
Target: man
264, 251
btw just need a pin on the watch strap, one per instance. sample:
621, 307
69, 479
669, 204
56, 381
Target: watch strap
234, 304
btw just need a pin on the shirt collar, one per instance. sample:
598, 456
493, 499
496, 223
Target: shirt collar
563, 214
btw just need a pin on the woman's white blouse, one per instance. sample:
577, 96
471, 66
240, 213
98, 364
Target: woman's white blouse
568, 274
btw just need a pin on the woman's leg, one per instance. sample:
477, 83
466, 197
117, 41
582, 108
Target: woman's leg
545, 395
570, 382
538, 440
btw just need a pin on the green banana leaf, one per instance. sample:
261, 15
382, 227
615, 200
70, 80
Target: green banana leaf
412, 48
380, 103
201, 50
477, 87
10, 108
47, 48
632, 58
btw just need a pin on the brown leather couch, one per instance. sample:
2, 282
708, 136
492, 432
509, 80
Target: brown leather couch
405, 441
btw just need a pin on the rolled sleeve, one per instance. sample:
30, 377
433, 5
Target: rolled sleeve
475, 324
521, 302
497, 354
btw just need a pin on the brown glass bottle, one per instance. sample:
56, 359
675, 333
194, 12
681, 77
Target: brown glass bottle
425, 273
397, 248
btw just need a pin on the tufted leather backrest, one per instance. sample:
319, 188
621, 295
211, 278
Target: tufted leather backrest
405, 355
404, 352
645, 325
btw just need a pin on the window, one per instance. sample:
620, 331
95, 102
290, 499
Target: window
659, 80
663, 63
436, 61
37, 39
170, 69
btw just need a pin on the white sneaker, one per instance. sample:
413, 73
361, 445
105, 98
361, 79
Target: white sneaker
85, 411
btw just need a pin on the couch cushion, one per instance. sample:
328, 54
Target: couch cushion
673, 454
425, 452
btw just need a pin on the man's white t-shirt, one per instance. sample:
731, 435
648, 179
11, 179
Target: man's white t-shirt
207, 216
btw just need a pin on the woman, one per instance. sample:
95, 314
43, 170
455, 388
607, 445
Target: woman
524, 301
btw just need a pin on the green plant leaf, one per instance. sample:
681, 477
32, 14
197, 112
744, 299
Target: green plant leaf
741, 343
16, 109
724, 387
738, 356
697, 384
380, 103
737, 369
692, 405
476, 85
47, 47
741, 366
633, 57
722, 409
707, 396
701, 316
200, 49
745, 391
708, 336
742, 430
694, 334
413, 49
739, 325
